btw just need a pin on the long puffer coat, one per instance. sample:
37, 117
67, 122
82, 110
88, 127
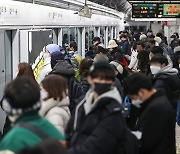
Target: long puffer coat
57, 112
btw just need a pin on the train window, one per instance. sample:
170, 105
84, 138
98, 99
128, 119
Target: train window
136, 28
72, 34
91, 35
86, 39
114, 31
76, 35
69, 35
65, 40
109, 34
102, 34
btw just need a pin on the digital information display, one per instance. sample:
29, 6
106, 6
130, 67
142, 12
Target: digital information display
155, 10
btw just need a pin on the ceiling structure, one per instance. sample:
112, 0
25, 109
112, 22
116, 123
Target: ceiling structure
120, 5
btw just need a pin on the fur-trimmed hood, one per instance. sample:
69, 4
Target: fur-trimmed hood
51, 103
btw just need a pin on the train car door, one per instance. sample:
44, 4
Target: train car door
2, 74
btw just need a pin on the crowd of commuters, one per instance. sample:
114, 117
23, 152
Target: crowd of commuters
77, 106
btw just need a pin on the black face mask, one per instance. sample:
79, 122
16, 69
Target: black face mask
101, 88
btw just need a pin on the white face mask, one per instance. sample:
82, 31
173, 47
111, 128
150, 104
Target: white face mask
155, 69
44, 95
137, 103
46, 55
179, 65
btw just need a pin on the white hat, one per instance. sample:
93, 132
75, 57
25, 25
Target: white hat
142, 37
118, 66
112, 44
158, 39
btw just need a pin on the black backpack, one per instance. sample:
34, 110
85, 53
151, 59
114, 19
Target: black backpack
75, 91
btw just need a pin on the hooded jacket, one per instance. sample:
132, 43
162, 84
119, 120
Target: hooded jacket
97, 128
74, 57
176, 56
19, 138
45, 70
169, 82
64, 68
57, 112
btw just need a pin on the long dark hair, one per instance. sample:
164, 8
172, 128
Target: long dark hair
25, 70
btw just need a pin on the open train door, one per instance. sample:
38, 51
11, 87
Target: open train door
32, 43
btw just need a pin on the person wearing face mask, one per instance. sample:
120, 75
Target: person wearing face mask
155, 123
55, 101
173, 43
113, 48
97, 126
91, 52
21, 103
165, 77
24, 69
46, 67
116, 53
155, 50
74, 55
159, 50
126, 48
133, 59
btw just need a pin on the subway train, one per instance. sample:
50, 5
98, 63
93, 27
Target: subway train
26, 26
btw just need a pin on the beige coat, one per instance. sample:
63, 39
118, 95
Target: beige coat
57, 112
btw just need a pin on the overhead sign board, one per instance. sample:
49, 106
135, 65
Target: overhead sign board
155, 10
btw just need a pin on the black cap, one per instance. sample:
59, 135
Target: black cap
99, 65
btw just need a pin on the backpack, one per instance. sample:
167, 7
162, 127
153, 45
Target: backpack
126, 105
75, 91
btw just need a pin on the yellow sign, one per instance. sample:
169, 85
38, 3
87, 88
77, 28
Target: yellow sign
38, 67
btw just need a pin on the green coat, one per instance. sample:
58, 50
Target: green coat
19, 138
